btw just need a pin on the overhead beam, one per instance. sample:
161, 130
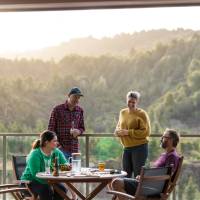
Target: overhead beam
36, 5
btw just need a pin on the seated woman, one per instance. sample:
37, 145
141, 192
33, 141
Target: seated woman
44, 150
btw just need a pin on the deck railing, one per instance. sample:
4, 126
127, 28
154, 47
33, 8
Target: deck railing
87, 146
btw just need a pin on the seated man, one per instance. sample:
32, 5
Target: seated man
169, 142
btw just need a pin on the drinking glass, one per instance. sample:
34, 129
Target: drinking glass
101, 166
76, 162
47, 166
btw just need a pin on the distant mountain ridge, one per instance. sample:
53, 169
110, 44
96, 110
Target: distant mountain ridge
122, 44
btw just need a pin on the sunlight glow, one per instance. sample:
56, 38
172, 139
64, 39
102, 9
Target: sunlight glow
21, 31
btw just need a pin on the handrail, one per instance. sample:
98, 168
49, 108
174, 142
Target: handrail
95, 134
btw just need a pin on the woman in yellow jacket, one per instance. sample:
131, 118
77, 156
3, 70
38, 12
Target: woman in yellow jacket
133, 129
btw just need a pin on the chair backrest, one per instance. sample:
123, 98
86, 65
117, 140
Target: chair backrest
19, 164
175, 176
153, 181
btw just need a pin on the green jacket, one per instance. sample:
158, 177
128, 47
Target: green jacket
35, 163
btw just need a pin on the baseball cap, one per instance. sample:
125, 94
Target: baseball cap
76, 91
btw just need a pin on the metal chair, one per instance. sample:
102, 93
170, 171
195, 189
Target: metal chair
154, 184
18, 192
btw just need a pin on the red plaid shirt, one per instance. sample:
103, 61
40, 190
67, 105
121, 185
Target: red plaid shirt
61, 122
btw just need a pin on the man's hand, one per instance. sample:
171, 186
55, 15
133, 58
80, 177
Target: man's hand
75, 132
137, 178
121, 132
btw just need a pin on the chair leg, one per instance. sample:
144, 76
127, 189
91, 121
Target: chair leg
16, 196
114, 197
31, 198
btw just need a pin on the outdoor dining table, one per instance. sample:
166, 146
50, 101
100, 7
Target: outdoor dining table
87, 175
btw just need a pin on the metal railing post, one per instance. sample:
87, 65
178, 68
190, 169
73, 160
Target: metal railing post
87, 151
174, 194
4, 163
87, 159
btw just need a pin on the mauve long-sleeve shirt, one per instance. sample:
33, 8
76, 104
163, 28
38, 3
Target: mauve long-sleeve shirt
167, 159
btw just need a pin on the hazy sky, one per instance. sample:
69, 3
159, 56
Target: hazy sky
22, 31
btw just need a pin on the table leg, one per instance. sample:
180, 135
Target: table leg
93, 193
97, 190
76, 190
60, 192
90, 196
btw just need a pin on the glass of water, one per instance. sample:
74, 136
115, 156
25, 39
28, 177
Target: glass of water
76, 162
47, 166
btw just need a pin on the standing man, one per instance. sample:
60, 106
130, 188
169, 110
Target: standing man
133, 129
67, 121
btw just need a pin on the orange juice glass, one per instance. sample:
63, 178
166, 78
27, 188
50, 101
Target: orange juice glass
101, 166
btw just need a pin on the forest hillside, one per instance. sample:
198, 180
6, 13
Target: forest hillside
167, 75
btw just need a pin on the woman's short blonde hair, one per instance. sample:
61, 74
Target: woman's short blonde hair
133, 94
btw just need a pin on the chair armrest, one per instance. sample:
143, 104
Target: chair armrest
14, 189
22, 181
9, 185
121, 194
26, 183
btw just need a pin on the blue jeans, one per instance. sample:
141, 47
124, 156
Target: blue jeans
67, 155
134, 158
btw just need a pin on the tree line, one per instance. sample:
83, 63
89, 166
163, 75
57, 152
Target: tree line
167, 76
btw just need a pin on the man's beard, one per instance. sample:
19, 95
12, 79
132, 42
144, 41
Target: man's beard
163, 144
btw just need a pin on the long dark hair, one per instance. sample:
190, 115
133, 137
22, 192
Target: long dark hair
44, 137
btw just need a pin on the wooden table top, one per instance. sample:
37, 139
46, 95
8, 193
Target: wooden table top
86, 173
